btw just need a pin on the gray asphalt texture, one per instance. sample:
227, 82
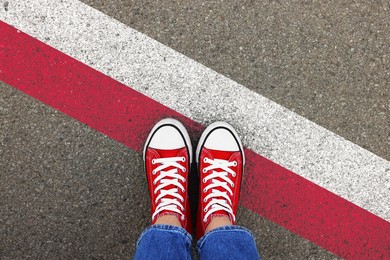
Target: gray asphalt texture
70, 192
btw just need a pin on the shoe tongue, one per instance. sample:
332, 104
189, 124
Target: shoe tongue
220, 213
223, 155
166, 154
167, 212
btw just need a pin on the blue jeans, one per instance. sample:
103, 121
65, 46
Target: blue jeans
171, 242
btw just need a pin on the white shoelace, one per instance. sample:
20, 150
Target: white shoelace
219, 199
166, 178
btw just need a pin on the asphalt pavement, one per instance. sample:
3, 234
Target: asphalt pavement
68, 191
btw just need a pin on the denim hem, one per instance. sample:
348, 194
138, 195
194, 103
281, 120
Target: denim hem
232, 228
167, 228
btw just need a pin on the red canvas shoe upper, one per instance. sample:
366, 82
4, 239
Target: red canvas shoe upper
220, 182
167, 174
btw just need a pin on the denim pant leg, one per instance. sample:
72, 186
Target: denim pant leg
228, 242
164, 242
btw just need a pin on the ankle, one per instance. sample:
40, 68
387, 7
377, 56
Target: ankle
218, 221
172, 220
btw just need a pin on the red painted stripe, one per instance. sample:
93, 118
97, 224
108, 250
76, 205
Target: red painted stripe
313, 212
126, 116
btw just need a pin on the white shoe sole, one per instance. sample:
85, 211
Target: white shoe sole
211, 128
179, 126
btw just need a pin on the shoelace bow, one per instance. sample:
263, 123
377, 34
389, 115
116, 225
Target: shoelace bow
166, 178
220, 200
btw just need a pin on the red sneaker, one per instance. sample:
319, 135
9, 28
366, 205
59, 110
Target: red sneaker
168, 158
220, 159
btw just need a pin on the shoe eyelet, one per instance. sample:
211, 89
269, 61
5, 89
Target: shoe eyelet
232, 185
204, 190
184, 170
205, 160
183, 218
234, 174
153, 161
204, 200
205, 210
204, 170
184, 180
234, 163
154, 182
204, 180
183, 159
182, 200
183, 190
153, 172
204, 220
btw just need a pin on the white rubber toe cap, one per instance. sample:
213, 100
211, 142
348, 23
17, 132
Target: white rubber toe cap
167, 138
221, 139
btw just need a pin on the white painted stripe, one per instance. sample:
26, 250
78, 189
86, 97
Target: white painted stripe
205, 96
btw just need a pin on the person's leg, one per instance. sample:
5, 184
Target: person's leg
228, 242
168, 157
220, 158
164, 242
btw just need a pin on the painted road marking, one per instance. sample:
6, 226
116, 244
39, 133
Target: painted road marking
127, 116
205, 96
